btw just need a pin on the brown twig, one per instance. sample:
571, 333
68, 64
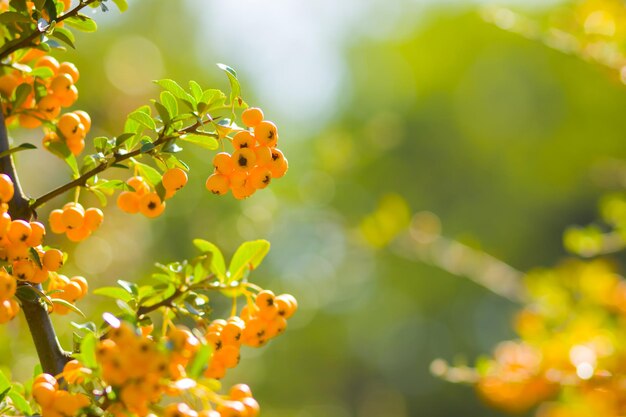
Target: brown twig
116, 159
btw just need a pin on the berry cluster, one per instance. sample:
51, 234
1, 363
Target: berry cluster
258, 323
56, 402
48, 95
142, 200
133, 365
255, 161
239, 403
71, 129
69, 289
76, 222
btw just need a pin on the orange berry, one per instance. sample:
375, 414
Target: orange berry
44, 394
252, 116
73, 216
93, 218
223, 163
40, 276
216, 370
252, 407
279, 164
24, 270
138, 184
84, 119
239, 392
8, 83
243, 139
71, 127
48, 61
243, 191
60, 85
228, 355
82, 283
265, 299
7, 285
263, 155
72, 291
72, 372
287, 305
52, 259
260, 177
150, 205
266, 133
56, 221
231, 409
68, 97
6, 188
49, 107
5, 223
244, 159
78, 234
174, 179
76, 146
128, 202
28, 121
47, 378
37, 233
69, 69
19, 231
217, 184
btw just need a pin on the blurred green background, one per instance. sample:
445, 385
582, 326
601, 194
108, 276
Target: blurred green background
503, 138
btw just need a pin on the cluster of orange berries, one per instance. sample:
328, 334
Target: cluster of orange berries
255, 161
69, 289
57, 402
73, 127
135, 367
76, 222
239, 403
258, 323
59, 89
9, 307
146, 201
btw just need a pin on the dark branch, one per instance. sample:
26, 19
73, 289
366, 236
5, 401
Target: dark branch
51, 355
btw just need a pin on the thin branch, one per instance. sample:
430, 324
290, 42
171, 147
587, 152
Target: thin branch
143, 310
27, 41
116, 159
51, 355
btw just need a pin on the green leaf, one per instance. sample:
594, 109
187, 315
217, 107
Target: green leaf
4, 393
235, 88
123, 138
143, 119
88, 350
130, 287
13, 17
200, 361
174, 88
4, 381
149, 173
82, 23
114, 292
121, 4
218, 265
20, 403
41, 72
22, 147
170, 103
67, 304
51, 8
64, 35
62, 151
196, 90
247, 257
163, 112
21, 93
112, 185
208, 142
